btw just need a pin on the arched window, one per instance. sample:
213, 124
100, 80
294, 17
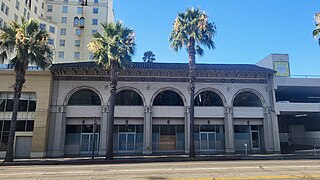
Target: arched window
76, 22
168, 98
247, 99
85, 98
208, 98
128, 98
82, 21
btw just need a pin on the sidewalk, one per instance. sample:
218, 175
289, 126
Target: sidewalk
161, 158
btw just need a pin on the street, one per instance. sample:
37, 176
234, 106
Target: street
249, 169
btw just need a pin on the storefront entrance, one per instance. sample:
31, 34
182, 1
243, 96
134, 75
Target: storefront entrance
207, 141
126, 141
87, 143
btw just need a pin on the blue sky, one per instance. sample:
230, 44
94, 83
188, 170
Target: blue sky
247, 30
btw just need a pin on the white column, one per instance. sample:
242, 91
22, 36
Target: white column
103, 131
228, 128
147, 130
59, 132
267, 131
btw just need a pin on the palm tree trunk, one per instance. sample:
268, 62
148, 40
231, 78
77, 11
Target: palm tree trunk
113, 86
20, 80
192, 79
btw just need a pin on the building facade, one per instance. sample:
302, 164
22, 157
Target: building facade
33, 116
234, 109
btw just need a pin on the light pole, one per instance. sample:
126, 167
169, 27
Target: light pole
249, 132
94, 136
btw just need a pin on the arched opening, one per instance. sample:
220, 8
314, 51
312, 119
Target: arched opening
208, 98
247, 99
85, 98
82, 22
128, 98
75, 21
168, 98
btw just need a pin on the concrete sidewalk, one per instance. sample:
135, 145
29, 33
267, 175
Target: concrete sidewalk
160, 158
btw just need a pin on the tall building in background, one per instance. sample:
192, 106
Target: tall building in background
70, 23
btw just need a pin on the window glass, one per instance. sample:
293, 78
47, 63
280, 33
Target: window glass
82, 21
247, 99
30, 125
64, 20
21, 126
85, 97
95, 10
168, 98
128, 98
75, 21
79, 10
64, 9
94, 21
208, 98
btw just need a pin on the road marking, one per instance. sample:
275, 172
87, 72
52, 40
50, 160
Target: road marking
255, 177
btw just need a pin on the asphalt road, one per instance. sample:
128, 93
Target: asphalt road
267, 169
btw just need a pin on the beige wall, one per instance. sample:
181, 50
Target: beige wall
40, 83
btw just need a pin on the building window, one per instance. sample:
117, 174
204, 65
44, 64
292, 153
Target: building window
49, 8
95, 10
63, 31
85, 98
64, 9
94, 21
62, 42
16, 17
94, 31
28, 16
7, 11
27, 102
24, 12
35, 9
17, 4
96, 1
208, 98
79, 10
247, 99
168, 98
128, 98
49, 18
61, 54
64, 20
77, 55
76, 22
82, 22
2, 6
1, 22
42, 5
78, 32
77, 43
51, 41
52, 29
42, 26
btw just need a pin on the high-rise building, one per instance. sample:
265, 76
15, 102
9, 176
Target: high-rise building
70, 23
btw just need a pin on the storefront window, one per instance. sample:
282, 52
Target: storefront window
168, 137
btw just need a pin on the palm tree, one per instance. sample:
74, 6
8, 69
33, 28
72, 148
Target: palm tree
148, 56
113, 48
23, 44
190, 29
316, 32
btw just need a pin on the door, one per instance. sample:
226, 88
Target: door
255, 139
207, 141
296, 134
87, 143
23, 146
126, 141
